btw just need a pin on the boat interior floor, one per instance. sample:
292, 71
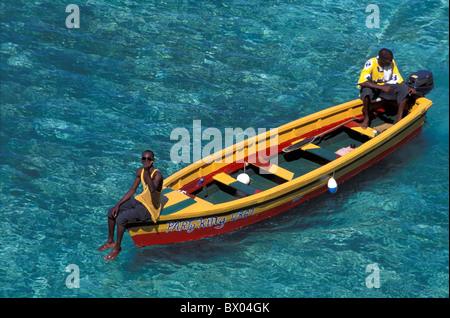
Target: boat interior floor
293, 164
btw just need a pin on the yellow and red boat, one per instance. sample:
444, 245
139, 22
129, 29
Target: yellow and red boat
206, 198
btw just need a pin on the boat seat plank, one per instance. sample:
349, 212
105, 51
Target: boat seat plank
310, 146
274, 169
369, 132
175, 201
383, 127
235, 184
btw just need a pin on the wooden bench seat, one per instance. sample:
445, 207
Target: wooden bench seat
369, 132
274, 169
235, 184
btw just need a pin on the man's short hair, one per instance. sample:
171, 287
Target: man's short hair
150, 153
385, 52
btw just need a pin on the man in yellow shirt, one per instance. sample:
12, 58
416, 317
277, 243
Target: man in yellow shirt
145, 207
381, 78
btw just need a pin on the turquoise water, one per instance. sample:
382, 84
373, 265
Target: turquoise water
78, 106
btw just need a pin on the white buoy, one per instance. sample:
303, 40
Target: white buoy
332, 185
244, 178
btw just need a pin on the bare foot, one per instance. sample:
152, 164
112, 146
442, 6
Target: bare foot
106, 246
113, 254
365, 124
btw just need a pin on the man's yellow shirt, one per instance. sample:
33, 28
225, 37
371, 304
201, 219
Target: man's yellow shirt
372, 71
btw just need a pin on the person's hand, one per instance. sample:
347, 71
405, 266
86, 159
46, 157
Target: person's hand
386, 89
411, 91
115, 211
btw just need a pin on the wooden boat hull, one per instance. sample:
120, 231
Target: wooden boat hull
194, 218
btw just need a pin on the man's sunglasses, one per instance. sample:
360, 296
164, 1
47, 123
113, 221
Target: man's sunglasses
147, 158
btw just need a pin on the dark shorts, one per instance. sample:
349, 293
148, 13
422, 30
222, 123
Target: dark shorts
399, 93
131, 211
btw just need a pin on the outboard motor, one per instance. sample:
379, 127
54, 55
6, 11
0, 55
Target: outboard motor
421, 81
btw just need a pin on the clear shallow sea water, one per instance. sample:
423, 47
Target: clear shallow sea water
78, 106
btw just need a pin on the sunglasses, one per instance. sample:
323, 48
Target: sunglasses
147, 158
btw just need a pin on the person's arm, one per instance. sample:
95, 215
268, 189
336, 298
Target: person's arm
411, 90
365, 78
129, 194
370, 84
154, 184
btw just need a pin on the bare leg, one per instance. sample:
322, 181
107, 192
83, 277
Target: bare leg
401, 109
365, 110
117, 248
110, 242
